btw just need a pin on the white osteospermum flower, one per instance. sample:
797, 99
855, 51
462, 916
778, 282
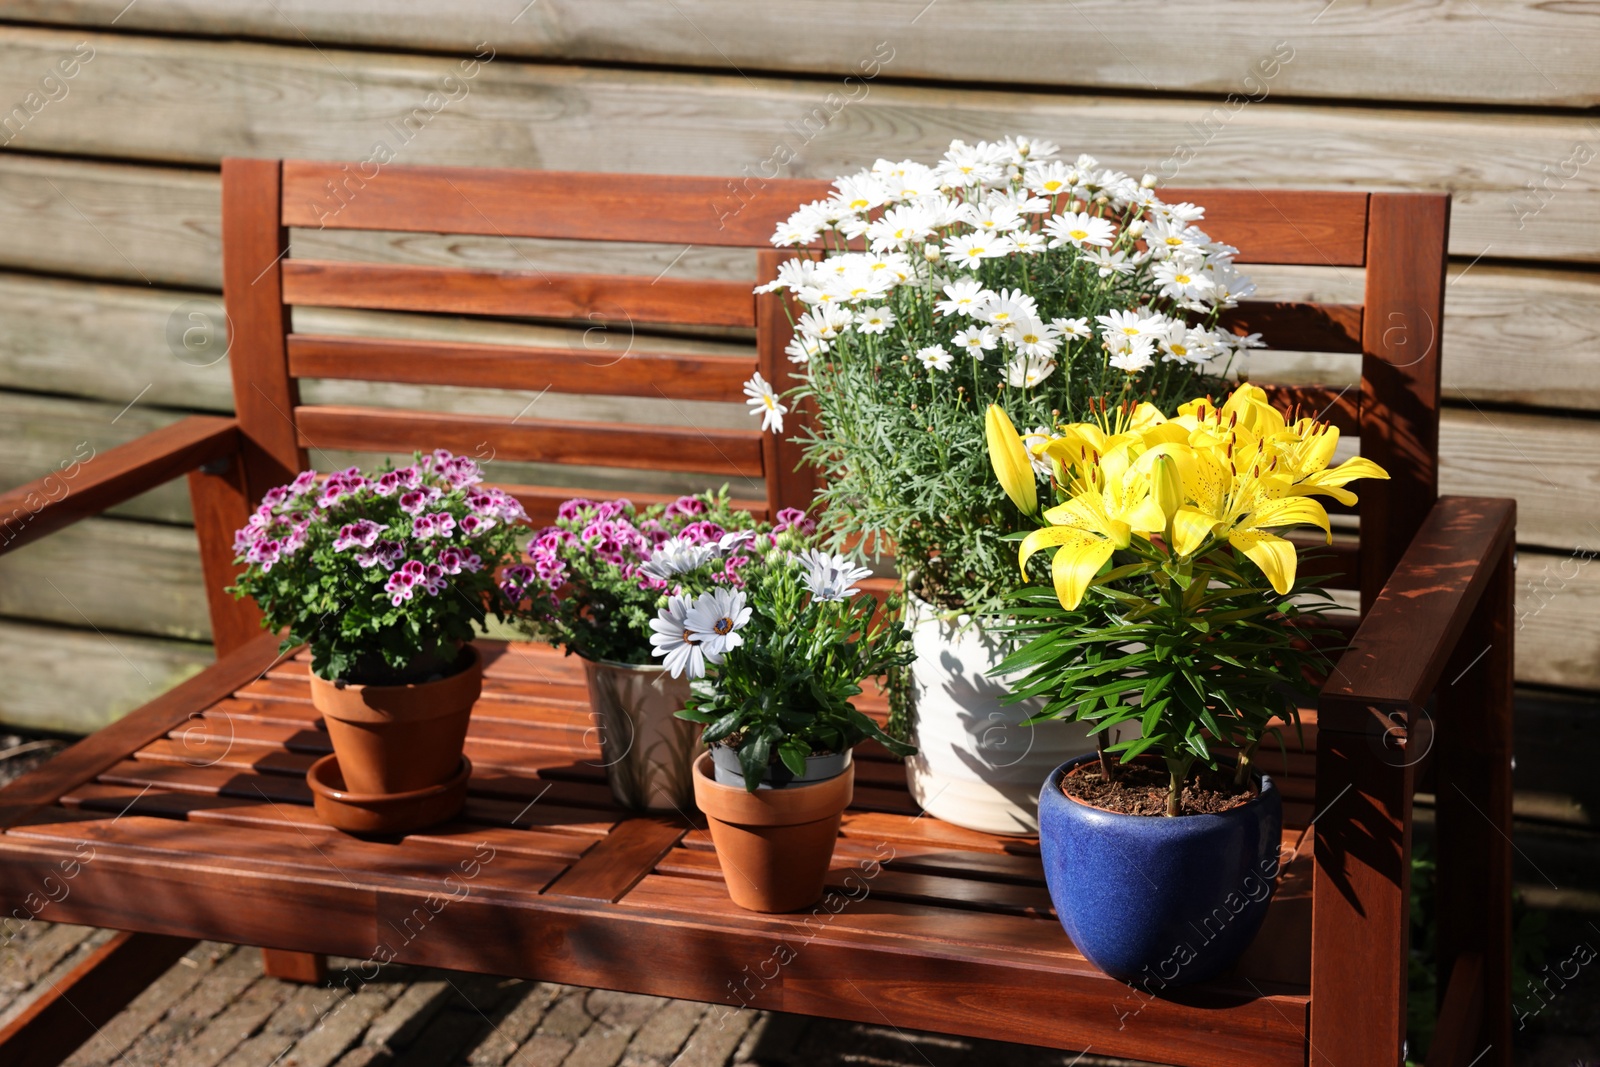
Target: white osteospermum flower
875, 320
1025, 372
935, 357
963, 297
976, 340
764, 402
675, 556
971, 249
831, 577
1079, 229
714, 621
1033, 338
672, 639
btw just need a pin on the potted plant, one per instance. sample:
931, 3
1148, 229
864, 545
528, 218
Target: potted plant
1176, 605
383, 577
595, 580
775, 666
1000, 275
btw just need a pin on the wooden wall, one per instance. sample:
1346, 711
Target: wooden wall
109, 211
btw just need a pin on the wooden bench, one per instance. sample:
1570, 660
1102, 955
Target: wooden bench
190, 818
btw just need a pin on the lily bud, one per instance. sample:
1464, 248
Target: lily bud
1166, 486
1009, 457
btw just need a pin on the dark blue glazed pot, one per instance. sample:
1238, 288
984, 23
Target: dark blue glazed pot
1159, 902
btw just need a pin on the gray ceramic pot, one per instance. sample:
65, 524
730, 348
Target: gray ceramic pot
727, 770
647, 751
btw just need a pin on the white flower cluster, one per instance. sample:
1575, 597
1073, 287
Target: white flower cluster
933, 227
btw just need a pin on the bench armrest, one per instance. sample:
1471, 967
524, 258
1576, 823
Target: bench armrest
109, 478
1400, 649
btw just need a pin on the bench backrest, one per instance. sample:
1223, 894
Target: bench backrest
1399, 239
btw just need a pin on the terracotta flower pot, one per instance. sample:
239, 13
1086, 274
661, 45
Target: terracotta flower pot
775, 845
399, 738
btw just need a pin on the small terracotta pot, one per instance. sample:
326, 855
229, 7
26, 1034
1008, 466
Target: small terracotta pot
775, 845
384, 813
399, 738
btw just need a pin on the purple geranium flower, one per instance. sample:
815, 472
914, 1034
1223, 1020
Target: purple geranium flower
362, 533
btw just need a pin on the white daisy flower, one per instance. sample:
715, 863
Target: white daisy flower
976, 340
714, 621
935, 357
1183, 213
971, 249
1007, 307
1165, 238
964, 297
1033, 439
875, 320
831, 577
764, 402
1051, 179
1025, 372
675, 556
1077, 328
860, 193
803, 349
1028, 243
673, 640
1181, 279
1033, 338
1121, 329
1135, 359
825, 322
1079, 229
1109, 262
992, 217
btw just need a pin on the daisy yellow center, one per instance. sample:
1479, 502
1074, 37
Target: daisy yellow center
1181, 279
1131, 331
857, 204
1030, 338
1179, 350
1174, 241
771, 402
1053, 186
1078, 235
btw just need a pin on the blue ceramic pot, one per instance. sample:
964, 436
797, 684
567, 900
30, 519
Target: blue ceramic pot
1159, 902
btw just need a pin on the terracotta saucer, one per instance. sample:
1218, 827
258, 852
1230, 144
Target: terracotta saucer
383, 813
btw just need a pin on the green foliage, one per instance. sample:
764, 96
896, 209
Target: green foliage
383, 577
786, 690
1201, 655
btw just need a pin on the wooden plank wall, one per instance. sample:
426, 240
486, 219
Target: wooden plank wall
113, 117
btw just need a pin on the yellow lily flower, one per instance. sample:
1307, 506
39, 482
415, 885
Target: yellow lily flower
1307, 448
1242, 508
1087, 529
1009, 457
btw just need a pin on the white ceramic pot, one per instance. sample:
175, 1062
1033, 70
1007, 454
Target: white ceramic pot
977, 764
648, 752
